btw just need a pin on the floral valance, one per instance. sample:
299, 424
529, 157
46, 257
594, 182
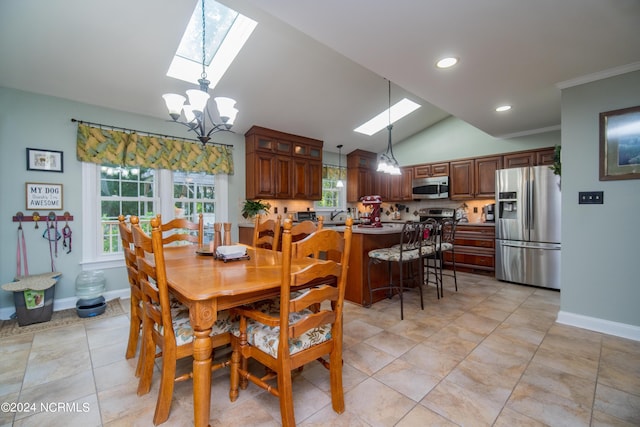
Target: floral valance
120, 148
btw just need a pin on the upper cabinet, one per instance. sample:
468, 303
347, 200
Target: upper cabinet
361, 170
363, 180
282, 166
529, 158
431, 169
401, 186
474, 178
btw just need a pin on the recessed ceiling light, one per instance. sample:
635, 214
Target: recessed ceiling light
447, 62
502, 108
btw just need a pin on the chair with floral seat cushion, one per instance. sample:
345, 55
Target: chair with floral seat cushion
178, 231
166, 324
266, 234
405, 254
136, 315
296, 335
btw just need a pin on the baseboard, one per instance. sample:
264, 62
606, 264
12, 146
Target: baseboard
622, 330
65, 303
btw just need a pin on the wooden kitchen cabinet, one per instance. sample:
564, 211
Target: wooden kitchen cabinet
462, 180
519, 160
245, 235
529, 158
400, 187
431, 169
474, 247
545, 157
361, 174
282, 166
474, 178
307, 179
485, 176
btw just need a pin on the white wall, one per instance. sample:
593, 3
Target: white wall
600, 261
452, 139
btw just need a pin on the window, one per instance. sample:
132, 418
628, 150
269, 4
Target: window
109, 191
125, 190
194, 194
332, 196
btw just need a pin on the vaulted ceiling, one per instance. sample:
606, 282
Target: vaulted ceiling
318, 68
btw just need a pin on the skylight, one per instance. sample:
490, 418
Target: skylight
226, 33
381, 121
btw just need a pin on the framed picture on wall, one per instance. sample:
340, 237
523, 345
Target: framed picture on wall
620, 144
44, 160
43, 196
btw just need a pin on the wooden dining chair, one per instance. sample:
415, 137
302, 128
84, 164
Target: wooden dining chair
136, 315
165, 327
295, 335
183, 230
302, 229
266, 234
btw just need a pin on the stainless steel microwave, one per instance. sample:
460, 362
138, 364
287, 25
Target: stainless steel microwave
431, 188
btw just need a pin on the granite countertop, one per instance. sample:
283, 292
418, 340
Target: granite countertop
385, 229
480, 224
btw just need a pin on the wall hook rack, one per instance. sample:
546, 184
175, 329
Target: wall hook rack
36, 217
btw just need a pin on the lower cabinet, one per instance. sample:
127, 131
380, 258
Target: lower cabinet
245, 235
474, 248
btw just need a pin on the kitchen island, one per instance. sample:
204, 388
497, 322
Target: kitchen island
363, 240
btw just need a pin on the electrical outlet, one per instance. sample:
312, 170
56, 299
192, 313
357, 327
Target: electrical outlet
590, 197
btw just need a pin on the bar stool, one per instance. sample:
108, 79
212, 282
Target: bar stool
407, 252
430, 256
446, 244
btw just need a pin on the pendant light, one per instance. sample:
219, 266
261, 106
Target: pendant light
196, 112
387, 162
339, 184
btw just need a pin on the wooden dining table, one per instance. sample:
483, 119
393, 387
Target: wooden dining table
207, 285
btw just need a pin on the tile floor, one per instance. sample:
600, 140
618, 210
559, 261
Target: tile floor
490, 354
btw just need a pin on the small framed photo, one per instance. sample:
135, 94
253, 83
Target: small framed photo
44, 160
620, 144
43, 196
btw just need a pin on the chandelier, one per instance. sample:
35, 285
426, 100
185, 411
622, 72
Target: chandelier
196, 112
387, 162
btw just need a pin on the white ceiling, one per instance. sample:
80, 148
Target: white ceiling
317, 68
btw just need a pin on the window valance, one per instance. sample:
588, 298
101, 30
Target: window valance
122, 148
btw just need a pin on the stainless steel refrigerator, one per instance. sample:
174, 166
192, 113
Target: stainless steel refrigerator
528, 226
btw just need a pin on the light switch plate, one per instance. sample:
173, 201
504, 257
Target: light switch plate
590, 197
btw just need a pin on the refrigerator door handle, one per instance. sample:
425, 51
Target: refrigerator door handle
550, 247
530, 202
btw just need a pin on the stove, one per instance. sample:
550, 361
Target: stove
436, 213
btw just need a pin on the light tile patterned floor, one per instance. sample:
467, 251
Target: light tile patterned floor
490, 354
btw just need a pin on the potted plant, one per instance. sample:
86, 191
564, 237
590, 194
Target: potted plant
557, 165
253, 207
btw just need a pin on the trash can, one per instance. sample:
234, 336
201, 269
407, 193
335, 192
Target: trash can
89, 288
33, 297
